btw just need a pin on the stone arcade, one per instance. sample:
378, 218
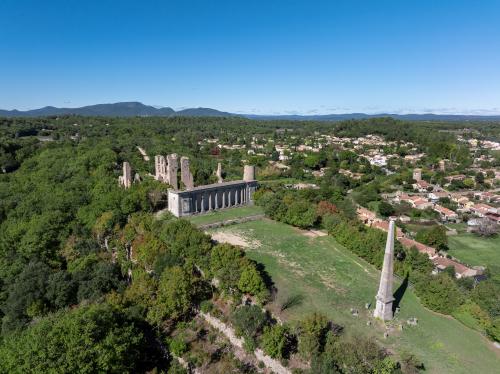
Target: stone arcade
215, 196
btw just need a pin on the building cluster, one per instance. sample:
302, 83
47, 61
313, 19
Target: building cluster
440, 262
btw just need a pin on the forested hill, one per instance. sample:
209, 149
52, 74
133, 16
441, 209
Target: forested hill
123, 109
133, 109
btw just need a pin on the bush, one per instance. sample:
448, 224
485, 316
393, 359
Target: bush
249, 320
177, 346
313, 330
439, 293
276, 341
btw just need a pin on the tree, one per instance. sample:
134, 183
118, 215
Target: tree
251, 282
385, 209
312, 334
479, 178
486, 228
96, 338
276, 341
225, 265
435, 237
176, 295
249, 320
439, 293
26, 297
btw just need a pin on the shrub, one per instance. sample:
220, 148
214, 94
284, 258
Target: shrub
177, 346
276, 341
249, 320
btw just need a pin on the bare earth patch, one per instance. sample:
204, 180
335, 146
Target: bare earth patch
234, 238
312, 233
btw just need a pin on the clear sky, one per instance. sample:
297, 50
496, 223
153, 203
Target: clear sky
253, 56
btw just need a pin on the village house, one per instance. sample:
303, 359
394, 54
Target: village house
435, 196
481, 210
461, 271
417, 202
422, 186
446, 215
384, 226
422, 248
366, 216
459, 177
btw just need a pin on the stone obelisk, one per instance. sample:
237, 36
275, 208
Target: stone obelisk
383, 309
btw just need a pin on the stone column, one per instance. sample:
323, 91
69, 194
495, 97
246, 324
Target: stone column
216, 200
384, 298
223, 199
210, 201
202, 202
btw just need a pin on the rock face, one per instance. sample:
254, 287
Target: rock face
186, 176
383, 309
219, 173
249, 173
125, 180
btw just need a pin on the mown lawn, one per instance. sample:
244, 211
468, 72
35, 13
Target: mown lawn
330, 279
225, 214
475, 250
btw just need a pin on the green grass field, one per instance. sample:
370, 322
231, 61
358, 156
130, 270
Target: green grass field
475, 250
225, 214
330, 279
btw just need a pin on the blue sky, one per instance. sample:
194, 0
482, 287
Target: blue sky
253, 56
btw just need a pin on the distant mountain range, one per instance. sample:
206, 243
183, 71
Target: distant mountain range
132, 109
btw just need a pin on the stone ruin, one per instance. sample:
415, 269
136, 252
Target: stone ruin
219, 173
186, 176
202, 199
249, 173
412, 321
125, 180
172, 166
166, 169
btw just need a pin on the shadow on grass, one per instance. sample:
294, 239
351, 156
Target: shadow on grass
291, 301
398, 295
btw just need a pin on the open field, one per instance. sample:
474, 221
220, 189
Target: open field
225, 214
332, 280
475, 250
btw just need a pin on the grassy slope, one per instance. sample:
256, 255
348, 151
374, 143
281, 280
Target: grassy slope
225, 214
475, 250
332, 280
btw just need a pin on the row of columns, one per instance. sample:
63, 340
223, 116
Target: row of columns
204, 201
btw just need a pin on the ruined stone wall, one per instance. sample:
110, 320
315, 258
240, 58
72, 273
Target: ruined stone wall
160, 168
219, 173
249, 173
186, 176
126, 179
172, 167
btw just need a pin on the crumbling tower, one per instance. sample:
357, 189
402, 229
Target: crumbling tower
172, 167
160, 168
249, 173
125, 180
219, 173
186, 176
383, 308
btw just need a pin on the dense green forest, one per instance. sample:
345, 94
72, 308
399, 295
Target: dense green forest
84, 262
